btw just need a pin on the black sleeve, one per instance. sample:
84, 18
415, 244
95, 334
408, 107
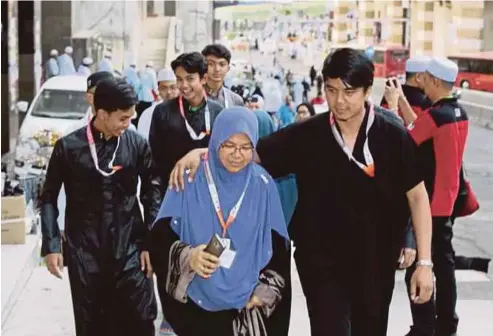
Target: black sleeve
410, 238
281, 256
410, 172
51, 241
150, 192
161, 239
280, 152
157, 137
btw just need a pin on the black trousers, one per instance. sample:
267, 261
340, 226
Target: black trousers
438, 317
335, 310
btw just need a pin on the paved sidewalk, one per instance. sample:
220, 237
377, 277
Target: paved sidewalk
44, 307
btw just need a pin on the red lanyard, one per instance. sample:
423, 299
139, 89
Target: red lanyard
215, 200
190, 130
92, 148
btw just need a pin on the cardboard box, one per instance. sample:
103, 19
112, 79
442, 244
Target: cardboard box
13, 220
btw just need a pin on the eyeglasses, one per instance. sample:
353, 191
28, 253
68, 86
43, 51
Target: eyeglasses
230, 148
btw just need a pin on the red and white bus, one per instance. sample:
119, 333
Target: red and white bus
475, 70
389, 61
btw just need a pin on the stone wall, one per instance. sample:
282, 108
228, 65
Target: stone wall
197, 18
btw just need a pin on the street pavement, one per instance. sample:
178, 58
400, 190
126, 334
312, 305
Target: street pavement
44, 306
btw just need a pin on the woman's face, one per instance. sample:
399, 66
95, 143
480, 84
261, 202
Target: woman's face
302, 113
236, 152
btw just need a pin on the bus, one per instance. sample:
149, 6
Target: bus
389, 61
475, 70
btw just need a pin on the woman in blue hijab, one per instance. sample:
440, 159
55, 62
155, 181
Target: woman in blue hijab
235, 200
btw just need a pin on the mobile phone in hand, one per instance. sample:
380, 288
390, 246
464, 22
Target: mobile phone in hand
394, 81
215, 246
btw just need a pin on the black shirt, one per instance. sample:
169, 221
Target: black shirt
169, 138
340, 209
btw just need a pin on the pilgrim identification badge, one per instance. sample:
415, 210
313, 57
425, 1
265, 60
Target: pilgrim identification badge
227, 258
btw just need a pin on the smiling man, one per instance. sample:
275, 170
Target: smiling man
179, 125
218, 59
105, 247
357, 179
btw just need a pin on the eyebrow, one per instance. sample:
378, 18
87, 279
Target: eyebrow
348, 88
240, 145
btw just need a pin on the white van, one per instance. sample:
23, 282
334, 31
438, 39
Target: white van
59, 105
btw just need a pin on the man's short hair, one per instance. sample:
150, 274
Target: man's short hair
192, 62
351, 66
217, 50
114, 94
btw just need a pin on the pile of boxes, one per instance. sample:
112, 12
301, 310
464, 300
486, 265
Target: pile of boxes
19, 216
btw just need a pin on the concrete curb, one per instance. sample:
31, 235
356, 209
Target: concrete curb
481, 115
29, 261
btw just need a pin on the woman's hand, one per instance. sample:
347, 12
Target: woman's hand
203, 263
190, 161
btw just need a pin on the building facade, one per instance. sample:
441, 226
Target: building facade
427, 27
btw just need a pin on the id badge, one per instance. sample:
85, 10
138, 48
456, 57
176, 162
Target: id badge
227, 258
226, 243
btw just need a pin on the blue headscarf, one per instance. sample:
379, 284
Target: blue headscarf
195, 221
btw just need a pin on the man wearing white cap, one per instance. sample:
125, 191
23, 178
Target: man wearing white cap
105, 64
84, 69
441, 135
66, 63
412, 90
51, 67
166, 82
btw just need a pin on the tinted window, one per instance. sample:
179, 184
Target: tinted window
399, 54
61, 104
379, 57
474, 65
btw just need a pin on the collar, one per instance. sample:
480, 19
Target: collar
97, 134
210, 91
411, 88
196, 108
445, 100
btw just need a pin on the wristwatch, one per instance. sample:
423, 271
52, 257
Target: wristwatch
425, 263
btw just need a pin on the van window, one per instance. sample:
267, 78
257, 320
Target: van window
61, 104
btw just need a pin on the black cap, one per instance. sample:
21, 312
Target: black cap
95, 78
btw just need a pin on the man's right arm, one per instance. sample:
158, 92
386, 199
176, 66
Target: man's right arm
52, 239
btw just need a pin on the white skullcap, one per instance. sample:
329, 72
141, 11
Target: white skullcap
107, 53
166, 74
87, 61
69, 50
443, 68
417, 64
260, 100
149, 64
54, 52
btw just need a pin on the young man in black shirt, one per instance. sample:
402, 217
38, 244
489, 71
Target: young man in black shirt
179, 125
357, 186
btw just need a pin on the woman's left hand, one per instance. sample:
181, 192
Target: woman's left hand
254, 302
